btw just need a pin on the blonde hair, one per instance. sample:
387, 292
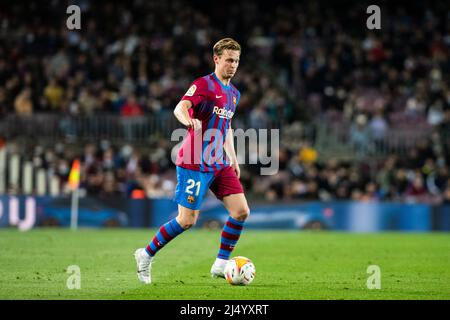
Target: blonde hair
225, 44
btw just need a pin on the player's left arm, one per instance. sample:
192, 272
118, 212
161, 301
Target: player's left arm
229, 149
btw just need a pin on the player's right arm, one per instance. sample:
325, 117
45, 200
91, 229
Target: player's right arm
195, 95
181, 112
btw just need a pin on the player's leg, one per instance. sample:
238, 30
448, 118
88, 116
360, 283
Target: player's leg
227, 187
237, 206
185, 219
190, 190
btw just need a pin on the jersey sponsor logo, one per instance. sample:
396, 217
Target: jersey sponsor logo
223, 113
191, 91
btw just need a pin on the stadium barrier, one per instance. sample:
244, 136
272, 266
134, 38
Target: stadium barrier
26, 212
338, 141
330, 139
54, 127
137, 129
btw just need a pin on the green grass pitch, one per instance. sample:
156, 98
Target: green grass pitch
289, 265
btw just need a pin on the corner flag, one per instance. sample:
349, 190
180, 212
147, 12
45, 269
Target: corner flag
74, 176
74, 182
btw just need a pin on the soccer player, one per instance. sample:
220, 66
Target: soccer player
206, 109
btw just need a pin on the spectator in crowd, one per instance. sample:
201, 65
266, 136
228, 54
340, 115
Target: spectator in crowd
87, 102
23, 103
54, 94
360, 134
131, 108
378, 129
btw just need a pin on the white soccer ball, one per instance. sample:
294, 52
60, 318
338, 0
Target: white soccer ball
240, 271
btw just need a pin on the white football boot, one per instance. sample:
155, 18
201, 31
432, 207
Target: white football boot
144, 265
218, 268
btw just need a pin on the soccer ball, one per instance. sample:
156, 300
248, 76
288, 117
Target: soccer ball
240, 271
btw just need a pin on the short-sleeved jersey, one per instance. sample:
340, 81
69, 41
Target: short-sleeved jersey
214, 104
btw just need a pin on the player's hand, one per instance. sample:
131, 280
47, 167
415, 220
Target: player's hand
195, 124
237, 170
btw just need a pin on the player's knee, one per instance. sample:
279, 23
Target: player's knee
187, 223
187, 226
243, 213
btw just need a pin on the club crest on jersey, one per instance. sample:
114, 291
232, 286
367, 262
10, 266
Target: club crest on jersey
191, 199
223, 113
191, 91
234, 100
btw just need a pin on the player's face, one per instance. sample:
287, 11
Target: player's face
227, 63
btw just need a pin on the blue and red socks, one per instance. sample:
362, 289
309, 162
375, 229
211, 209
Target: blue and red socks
229, 237
166, 233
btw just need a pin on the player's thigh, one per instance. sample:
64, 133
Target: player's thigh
191, 188
226, 183
237, 206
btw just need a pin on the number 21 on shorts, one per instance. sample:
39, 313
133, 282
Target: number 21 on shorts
191, 184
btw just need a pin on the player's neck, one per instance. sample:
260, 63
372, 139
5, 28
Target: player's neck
225, 82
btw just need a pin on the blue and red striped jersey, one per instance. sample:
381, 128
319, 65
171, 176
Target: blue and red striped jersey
214, 104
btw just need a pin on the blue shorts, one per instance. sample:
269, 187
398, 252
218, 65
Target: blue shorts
192, 187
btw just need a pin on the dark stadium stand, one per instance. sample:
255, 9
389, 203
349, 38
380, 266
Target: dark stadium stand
374, 108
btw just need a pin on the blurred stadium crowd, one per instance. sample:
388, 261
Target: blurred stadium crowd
301, 62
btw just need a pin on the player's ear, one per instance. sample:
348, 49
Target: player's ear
216, 59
